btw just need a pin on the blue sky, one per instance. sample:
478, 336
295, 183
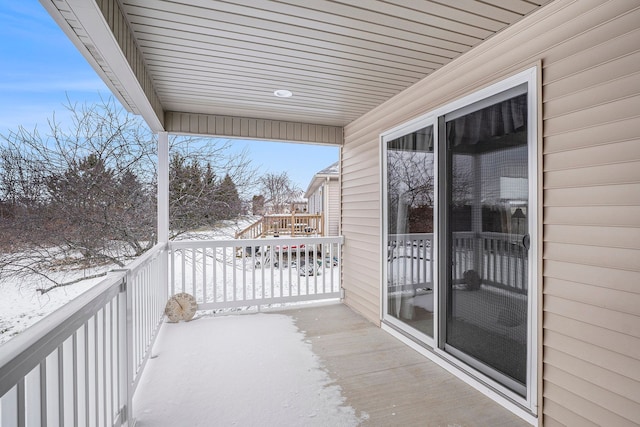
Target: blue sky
40, 68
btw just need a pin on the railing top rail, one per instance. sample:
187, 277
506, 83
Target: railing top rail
146, 257
268, 241
24, 352
256, 224
289, 215
410, 235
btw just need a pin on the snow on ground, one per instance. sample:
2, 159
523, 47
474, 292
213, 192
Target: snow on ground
241, 370
21, 305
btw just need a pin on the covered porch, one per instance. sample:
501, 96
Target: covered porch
213, 69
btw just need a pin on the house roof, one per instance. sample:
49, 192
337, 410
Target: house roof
211, 67
333, 169
330, 172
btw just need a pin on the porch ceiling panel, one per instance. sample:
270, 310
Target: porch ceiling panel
225, 58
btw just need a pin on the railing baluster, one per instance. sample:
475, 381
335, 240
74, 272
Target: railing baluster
204, 274
243, 259
87, 392
21, 407
280, 265
74, 352
194, 263
104, 367
289, 271
184, 272
315, 270
224, 273
271, 267
59, 373
112, 346
331, 266
43, 393
96, 371
306, 275
253, 272
234, 274
214, 272
323, 267
300, 276
173, 272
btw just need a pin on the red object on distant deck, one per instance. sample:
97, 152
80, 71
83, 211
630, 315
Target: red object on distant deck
293, 247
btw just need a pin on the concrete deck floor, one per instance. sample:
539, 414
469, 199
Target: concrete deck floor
384, 378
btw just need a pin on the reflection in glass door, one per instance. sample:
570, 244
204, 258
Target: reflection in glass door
410, 204
486, 307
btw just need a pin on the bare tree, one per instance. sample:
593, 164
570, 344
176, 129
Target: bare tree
79, 200
278, 190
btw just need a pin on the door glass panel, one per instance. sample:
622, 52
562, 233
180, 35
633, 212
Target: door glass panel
410, 201
487, 240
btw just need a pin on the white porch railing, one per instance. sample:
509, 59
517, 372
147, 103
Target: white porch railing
80, 366
410, 261
256, 272
498, 261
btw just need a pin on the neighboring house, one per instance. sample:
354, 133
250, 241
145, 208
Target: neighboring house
489, 166
323, 196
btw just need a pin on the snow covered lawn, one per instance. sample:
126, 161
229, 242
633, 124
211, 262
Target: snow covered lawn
244, 370
21, 305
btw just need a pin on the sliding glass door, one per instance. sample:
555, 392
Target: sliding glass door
459, 213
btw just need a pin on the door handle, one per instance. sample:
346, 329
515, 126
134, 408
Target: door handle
526, 241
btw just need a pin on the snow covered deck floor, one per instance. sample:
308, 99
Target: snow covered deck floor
314, 366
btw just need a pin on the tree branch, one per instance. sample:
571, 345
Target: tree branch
72, 282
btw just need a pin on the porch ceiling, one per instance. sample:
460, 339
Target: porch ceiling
177, 61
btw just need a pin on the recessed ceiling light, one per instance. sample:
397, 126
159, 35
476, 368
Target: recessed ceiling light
282, 93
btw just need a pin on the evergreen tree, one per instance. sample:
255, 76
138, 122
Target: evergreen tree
228, 199
81, 198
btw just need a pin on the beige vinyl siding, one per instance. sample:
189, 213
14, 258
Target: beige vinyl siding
360, 195
590, 214
591, 246
314, 203
333, 211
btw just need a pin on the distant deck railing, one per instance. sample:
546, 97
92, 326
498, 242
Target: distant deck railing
294, 225
256, 272
80, 365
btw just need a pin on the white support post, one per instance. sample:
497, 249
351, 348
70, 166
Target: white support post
163, 207
163, 187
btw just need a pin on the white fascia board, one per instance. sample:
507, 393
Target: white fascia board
313, 186
106, 46
317, 180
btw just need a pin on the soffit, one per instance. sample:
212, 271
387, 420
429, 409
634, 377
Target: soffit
339, 58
